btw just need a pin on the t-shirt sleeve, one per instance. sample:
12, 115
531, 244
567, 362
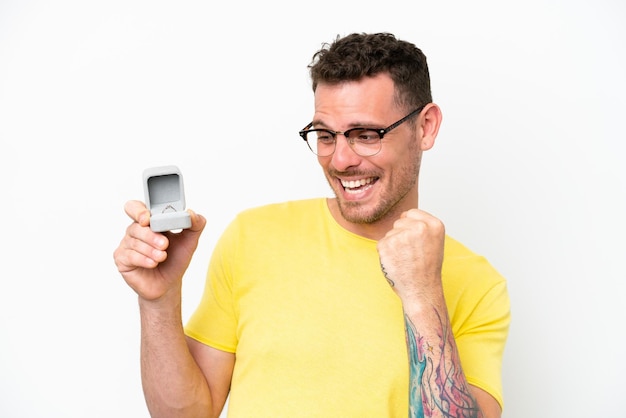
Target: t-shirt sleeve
482, 338
479, 308
214, 322
480, 325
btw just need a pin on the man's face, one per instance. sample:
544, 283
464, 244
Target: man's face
368, 189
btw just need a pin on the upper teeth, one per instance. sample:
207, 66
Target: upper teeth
356, 183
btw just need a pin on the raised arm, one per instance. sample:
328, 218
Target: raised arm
411, 256
153, 265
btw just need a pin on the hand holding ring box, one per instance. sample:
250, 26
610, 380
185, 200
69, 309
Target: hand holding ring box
165, 197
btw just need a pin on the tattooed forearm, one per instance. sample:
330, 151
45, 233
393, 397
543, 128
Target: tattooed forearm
417, 365
437, 384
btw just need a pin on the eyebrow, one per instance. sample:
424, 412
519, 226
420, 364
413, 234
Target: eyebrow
319, 124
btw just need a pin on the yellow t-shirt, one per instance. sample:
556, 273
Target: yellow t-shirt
316, 328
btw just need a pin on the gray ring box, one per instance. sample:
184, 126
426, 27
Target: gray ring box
165, 197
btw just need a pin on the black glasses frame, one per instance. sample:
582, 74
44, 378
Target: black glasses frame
381, 131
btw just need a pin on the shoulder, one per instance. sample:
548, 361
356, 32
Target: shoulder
463, 264
472, 283
273, 229
281, 211
275, 217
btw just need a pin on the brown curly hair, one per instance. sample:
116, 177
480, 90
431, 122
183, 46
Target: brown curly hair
359, 55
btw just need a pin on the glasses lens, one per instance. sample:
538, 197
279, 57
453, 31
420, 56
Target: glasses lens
365, 142
321, 142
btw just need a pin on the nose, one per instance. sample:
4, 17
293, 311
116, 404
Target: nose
344, 156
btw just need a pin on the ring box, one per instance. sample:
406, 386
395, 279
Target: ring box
165, 197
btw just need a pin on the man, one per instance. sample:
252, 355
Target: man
355, 306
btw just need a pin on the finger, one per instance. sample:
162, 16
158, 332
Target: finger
198, 222
138, 212
427, 218
418, 214
128, 258
135, 234
140, 248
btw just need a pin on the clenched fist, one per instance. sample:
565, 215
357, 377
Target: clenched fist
411, 255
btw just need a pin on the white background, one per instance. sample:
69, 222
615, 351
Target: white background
528, 170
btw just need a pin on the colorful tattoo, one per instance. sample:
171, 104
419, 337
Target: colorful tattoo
437, 385
417, 365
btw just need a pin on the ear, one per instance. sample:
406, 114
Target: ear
430, 121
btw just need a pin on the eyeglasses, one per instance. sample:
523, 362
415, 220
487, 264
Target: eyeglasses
364, 141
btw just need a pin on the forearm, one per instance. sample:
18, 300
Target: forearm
173, 384
438, 387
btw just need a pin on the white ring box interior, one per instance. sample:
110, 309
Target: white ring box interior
165, 197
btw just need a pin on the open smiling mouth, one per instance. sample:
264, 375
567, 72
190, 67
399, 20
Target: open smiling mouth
357, 186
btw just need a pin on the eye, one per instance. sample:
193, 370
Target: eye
365, 136
324, 137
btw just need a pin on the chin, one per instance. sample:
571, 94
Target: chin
357, 213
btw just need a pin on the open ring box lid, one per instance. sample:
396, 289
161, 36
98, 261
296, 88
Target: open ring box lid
165, 197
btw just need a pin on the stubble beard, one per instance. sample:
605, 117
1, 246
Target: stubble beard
391, 198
